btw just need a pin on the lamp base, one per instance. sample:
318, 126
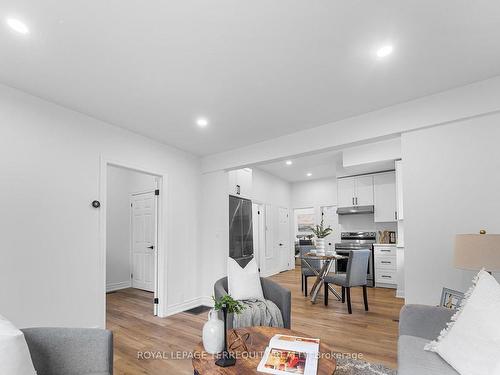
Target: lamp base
226, 360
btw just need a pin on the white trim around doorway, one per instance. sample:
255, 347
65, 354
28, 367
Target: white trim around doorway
162, 225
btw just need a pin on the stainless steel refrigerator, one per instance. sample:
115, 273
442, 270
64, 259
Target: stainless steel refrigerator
240, 230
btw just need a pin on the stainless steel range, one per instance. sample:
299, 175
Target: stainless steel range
356, 241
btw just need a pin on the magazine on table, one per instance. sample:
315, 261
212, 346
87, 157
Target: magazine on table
290, 355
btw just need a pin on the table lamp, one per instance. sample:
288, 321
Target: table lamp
476, 251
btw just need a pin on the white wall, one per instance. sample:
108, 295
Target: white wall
51, 266
214, 225
451, 185
315, 193
269, 189
121, 183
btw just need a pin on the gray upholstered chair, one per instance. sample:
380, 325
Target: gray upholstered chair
272, 291
356, 275
64, 351
306, 271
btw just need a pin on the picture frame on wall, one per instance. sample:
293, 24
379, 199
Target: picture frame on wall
451, 299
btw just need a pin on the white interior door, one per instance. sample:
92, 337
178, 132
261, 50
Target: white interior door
284, 238
144, 241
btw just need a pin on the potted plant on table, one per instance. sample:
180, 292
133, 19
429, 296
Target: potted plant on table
227, 305
321, 232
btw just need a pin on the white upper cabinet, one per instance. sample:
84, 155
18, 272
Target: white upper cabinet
384, 188
240, 182
364, 191
346, 192
399, 189
355, 191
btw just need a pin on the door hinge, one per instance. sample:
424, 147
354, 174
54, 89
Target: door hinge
258, 212
131, 275
156, 301
157, 192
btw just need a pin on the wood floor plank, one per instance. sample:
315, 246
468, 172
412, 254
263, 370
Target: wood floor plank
372, 334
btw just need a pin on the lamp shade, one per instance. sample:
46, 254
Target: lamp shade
477, 251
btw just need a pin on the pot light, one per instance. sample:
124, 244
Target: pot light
18, 26
288, 162
309, 174
202, 122
384, 51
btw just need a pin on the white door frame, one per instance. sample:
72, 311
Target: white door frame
259, 243
162, 225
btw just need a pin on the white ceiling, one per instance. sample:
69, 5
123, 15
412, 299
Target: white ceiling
257, 69
322, 165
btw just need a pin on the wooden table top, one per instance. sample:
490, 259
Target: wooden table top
204, 363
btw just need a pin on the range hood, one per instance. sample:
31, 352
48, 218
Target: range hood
355, 210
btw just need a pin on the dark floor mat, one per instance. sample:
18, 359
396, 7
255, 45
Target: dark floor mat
198, 310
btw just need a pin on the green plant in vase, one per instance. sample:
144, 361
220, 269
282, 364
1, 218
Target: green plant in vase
227, 305
320, 231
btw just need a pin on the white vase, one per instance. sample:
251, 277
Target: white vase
320, 245
213, 333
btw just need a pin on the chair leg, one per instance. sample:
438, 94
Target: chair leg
348, 292
343, 295
305, 286
325, 285
302, 282
365, 297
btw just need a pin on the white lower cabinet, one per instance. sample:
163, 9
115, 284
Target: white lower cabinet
386, 267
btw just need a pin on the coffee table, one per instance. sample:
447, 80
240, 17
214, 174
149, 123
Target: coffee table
204, 363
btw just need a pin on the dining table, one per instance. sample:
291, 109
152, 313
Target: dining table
328, 261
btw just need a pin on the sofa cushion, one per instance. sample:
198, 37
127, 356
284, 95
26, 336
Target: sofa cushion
414, 360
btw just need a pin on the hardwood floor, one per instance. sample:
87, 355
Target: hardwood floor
372, 334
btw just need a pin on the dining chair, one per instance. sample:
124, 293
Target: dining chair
356, 275
306, 271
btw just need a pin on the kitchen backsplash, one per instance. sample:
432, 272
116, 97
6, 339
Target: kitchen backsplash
363, 222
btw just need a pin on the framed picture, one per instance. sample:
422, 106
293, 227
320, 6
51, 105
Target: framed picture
451, 299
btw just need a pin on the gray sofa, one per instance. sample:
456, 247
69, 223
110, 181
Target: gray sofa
419, 324
70, 351
272, 291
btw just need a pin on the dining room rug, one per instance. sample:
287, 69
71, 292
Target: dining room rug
356, 367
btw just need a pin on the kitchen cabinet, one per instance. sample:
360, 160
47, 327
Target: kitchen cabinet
399, 189
384, 194
240, 183
386, 266
355, 191
364, 191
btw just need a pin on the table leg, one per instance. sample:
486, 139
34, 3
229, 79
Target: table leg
325, 270
320, 279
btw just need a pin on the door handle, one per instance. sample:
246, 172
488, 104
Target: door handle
353, 201
151, 247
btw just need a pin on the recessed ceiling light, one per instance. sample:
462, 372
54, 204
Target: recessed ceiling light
18, 26
384, 51
288, 162
202, 122
309, 174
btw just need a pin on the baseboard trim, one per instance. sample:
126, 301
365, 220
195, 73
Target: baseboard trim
400, 294
112, 287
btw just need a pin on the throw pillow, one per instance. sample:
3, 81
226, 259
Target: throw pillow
244, 283
15, 358
471, 342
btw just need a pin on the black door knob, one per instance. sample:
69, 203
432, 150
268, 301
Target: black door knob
151, 247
